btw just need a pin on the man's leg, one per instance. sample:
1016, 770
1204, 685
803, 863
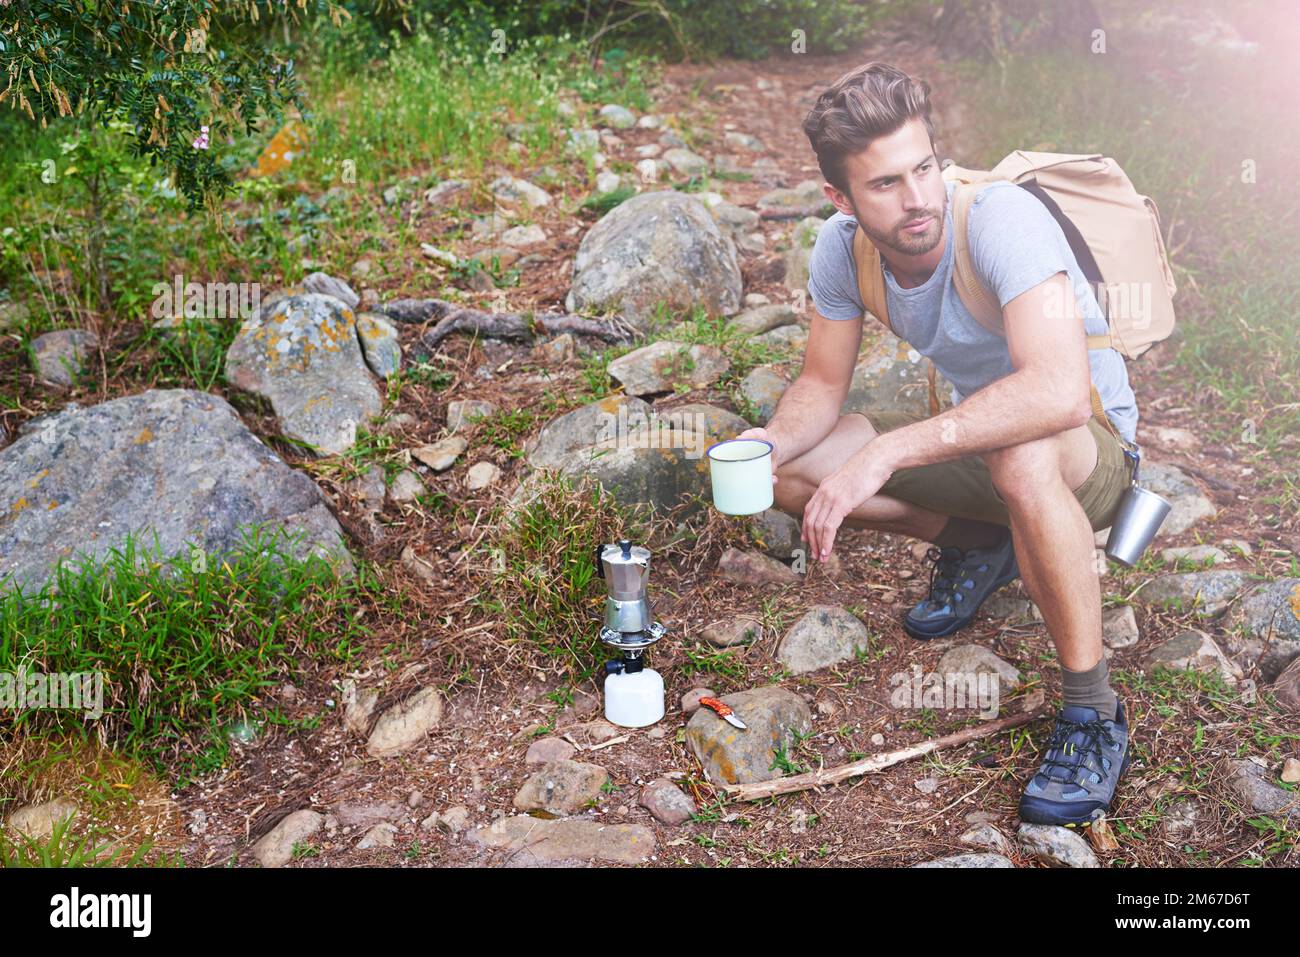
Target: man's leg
799, 477
1053, 538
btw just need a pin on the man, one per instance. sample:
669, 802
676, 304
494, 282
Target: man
1018, 474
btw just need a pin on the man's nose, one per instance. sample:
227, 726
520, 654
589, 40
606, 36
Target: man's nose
913, 197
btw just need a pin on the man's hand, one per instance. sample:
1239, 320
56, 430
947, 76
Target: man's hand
765, 436
841, 492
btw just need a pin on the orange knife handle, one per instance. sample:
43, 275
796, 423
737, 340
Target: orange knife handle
713, 704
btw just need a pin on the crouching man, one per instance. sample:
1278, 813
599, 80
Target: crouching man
1014, 479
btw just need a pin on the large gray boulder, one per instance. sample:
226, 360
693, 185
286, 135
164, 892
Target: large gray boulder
659, 246
775, 718
893, 376
177, 462
302, 352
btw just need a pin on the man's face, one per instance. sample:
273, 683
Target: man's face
894, 183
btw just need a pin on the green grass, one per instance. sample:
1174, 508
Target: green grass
186, 644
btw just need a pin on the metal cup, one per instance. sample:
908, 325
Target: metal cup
1139, 517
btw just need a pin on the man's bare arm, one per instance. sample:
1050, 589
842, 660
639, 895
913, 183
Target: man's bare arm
810, 407
1047, 393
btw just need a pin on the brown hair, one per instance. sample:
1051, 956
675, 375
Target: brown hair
867, 102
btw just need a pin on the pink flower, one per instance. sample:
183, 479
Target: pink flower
201, 141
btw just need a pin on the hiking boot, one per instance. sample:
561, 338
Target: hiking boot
1081, 768
959, 583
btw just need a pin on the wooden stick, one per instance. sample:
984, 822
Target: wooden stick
813, 779
502, 325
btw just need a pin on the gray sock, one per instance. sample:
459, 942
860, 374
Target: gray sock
1090, 689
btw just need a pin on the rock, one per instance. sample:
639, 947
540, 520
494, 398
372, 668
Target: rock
754, 568
1264, 627
699, 417
1255, 789
731, 756
406, 487
510, 189
1194, 553
619, 117
359, 706
562, 787
355, 814
1239, 545
763, 388
971, 659
733, 631
392, 195
380, 345
1190, 506
480, 475
988, 836
608, 182
1291, 771
1192, 650
777, 533
464, 411
531, 841
1286, 689
755, 299
455, 819
969, 860
523, 236
1055, 846
686, 162
657, 246
555, 351
418, 566
327, 285
1179, 820
368, 488
178, 462
1119, 627
732, 219
405, 724
275, 849
744, 141
660, 366
303, 354
691, 699
381, 835
667, 802
1170, 439
589, 733
1006, 606
793, 338
926, 785
546, 750
38, 821
799, 253
441, 455
446, 192
803, 199
824, 636
581, 141
606, 418
13, 315
662, 468
893, 376
1204, 593
59, 356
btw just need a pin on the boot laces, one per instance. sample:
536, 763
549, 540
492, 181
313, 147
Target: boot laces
1093, 733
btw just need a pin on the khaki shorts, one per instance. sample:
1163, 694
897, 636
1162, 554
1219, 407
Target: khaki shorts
964, 488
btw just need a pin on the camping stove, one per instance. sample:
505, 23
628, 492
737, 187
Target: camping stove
634, 694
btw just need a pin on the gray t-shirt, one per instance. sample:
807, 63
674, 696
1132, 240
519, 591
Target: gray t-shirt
1015, 244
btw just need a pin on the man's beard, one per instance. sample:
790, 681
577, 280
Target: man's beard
905, 243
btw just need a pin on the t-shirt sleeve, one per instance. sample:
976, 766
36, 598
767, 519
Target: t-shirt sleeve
832, 277
1015, 243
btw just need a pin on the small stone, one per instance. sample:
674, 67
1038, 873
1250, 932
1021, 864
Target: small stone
441, 455
1194, 553
1056, 846
926, 785
969, 860
667, 802
1291, 771
481, 475
275, 848
1119, 627
465, 411
989, 837
691, 699
545, 750
38, 821
404, 725
754, 568
406, 487
728, 632
562, 787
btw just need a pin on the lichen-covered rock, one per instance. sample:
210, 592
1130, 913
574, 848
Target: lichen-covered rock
175, 462
729, 755
302, 353
658, 246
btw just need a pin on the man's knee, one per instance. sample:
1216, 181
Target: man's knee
1020, 471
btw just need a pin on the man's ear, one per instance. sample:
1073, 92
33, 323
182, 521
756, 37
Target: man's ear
840, 201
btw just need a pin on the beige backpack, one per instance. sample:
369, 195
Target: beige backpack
1113, 230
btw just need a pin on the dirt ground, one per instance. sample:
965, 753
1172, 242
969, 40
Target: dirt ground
475, 757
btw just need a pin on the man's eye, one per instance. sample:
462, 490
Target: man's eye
883, 185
